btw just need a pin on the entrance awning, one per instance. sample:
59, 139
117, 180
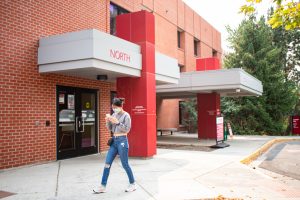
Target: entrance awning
227, 82
89, 53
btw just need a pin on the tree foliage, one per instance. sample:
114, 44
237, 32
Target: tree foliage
257, 52
286, 14
191, 114
289, 44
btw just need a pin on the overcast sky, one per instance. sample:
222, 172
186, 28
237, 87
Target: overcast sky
220, 13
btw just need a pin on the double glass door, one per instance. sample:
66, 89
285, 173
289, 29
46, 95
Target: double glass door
76, 122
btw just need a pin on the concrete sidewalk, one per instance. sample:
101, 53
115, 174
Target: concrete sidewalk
171, 174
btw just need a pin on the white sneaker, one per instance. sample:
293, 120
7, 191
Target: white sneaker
131, 188
101, 189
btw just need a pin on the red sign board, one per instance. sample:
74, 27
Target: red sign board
296, 124
220, 127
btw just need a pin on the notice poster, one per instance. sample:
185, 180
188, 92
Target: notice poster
296, 125
220, 131
61, 99
71, 101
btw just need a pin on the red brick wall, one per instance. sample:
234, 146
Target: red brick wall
197, 26
167, 113
166, 9
181, 14
27, 96
165, 42
205, 50
149, 4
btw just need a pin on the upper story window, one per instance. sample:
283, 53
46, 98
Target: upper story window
180, 41
114, 12
214, 53
196, 47
181, 68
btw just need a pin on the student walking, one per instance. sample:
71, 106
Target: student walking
119, 123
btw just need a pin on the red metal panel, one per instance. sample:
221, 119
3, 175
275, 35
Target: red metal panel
148, 61
200, 64
208, 104
140, 93
141, 137
207, 64
208, 109
142, 24
123, 23
212, 64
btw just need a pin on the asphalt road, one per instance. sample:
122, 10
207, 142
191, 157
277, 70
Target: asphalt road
284, 159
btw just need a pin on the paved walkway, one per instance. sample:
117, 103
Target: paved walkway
170, 175
283, 158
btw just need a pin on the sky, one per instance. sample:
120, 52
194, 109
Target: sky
220, 13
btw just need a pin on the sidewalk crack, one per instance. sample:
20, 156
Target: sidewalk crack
57, 178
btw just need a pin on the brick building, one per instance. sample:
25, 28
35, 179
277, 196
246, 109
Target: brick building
55, 86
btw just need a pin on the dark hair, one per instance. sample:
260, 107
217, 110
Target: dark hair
118, 101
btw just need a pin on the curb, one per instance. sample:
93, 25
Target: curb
264, 148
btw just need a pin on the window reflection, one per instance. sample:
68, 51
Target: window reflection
114, 12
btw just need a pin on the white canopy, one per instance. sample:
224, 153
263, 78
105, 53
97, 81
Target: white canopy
226, 82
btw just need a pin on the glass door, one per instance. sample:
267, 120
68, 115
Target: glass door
88, 120
76, 122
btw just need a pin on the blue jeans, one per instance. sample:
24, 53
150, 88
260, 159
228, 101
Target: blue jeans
119, 146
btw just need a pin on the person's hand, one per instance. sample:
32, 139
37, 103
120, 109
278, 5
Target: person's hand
113, 120
107, 118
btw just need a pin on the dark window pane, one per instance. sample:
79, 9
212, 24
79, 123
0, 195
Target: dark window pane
214, 53
178, 39
114, 11
196, 47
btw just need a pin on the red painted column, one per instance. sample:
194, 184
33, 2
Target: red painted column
208, 104
140, 93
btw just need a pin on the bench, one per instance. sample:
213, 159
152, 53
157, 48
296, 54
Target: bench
161, 130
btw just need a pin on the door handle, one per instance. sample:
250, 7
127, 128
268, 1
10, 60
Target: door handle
82, 125
79, 125
76, 124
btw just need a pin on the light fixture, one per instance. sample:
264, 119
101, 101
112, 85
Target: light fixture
237, 90
102, 77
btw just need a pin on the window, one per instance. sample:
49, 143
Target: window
196, 47
214, 53
181, 112
181, 68
180, 39
114, 11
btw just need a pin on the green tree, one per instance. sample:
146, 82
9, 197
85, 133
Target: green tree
289, 44
286, 14
191, 114
256, 52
